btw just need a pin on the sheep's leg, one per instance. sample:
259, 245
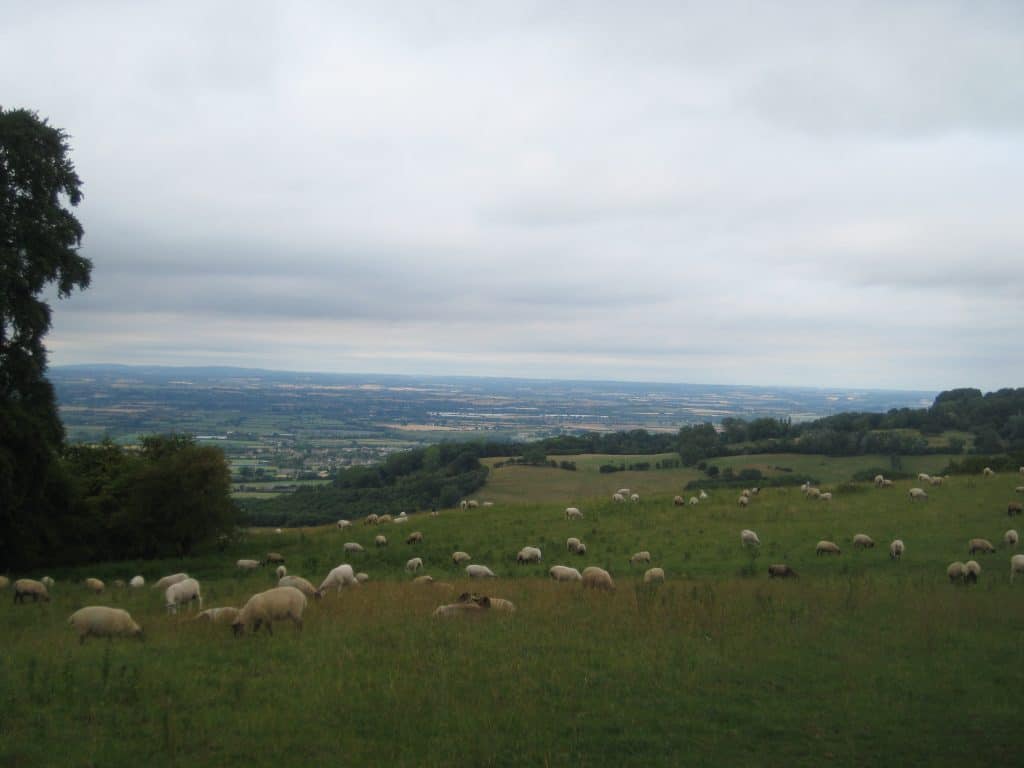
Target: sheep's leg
270, 631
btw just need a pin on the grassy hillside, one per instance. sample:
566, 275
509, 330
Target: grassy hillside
859, 660
827, 469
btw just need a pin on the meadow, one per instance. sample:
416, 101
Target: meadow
862, 661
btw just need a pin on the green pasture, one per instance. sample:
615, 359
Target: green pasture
827, 469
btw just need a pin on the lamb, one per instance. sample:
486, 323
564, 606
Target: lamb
352, 547
341, 576
281, 571
225, 615
30, 588
654, 576
1014, 508
94, 585
460, 557
917, 494
245, 565
183, 592
634, 497
572, 544
267, 607
1010, 538
572, 513
48, 581
955, 572
479, 572
896, 549
749, 539
136, 582
980, 545
1016, 566
781, 571
743, 501
827, 548
597, 578
863, 541
344, 523
416, 537
564, 573
413, 564
972, 570
528, 555
640, 557
300, 584
618, 498
103, 621
174, 578
827, 496
678, 501
987, 472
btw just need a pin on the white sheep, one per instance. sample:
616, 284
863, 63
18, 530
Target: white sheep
267, 607
463, 505
174, 578
460, 557
487, 504
1010, 538
4, 582
528, 555
827, 496
183, 592
640, 557
479, 572
413, 564
371, 519
383, 519
424, 579
972, 570
473, 606
896, 549
103, 621
380, 540
743, 501
827, 548
344, 523
987, 472
694, 501
572, 513
226, 615
473, 504
281, 571
300, 584
30, 588
278, 530
634, 497
980, 545
416, 537
352, 547
48, 581
625, 492
936, 480
94, 585
863, 541
618, 498
654, 576
581, 549
339, 577
702, 495
572, 544
923, 477
362, 578
745, 492
597, 578
955, 572
749, 539
1019, 489
564, 573
136, 582
1016, 566
879, 479
887, 483
400, 520
678, 501
243, 565
917, 494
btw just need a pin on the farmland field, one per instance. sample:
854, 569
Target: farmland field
862, 661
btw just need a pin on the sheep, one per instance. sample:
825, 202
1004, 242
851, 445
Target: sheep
458, 558
473, 504
749, 539
185, 591
879, 479
827, 496
1010, 538
564, 573
487, 504
226, 615
362, 578
572, 544
678, 501
30, 588
136, 582
1022, 470
896, 549
1014, 508
4, 582
103, 621
640, 557
1016, 566
597, 578
479, 572
654, 576
827, 548
781, 571
863, 541
463, 505
497, 603
352, 547
281, 571
1019, 489
344, 524
581, 549
694, 501
278, 530
118, 583
987, 472
972, 570
402, 514
923, 477
274, 558
245, 565
473, 607
300, 584
635, 497
528, 555
341, 576
702, 495
48, 581
917, 494
745, 492
413, 564
755, 490
887, 483
416, 537
371, 519
174, 578
955, 572
618, 498
275, 604
573, 513
936, 480
812, 492
743, 501
384, 519
980, 545
625, 492
400, 520
424, 579
94, 585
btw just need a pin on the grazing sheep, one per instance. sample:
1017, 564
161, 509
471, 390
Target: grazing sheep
103, 621
362, 578
136, 582
634, 497
597, 578
174, 578
581, 549
30, 588
353, 547
344, 523
572, 513
473, 504
267, 607
339, 577
972, 570
564, 573
755, 490
654, 576
887, 483
743, 501
1010, 538
479, 572
274, 558
1014, 508
955, 572
380, 540
827, 496
812, 492
300, 584
497, 603
749, 539
413, 564
640, 557
863, 541
694, 501
226, 615
4, 582
781, 571
923, 477
472, 607
281, 571
936, 480
879, 479
48, 581
678, 501
980, 545
618, 498
625, 492
572, 544
424, 579
186, 591
371, 519
896, 549
245, 565
416, 537
1019, 489
400, 520
917, 494
827, 548
384, 519
703, 495
745, 492
528, 555
460, 557
1016, 566
987, 472
94, 585
463, 505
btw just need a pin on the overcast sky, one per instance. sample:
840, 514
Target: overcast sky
818, 194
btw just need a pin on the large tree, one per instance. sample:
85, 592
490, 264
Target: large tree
39, 241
